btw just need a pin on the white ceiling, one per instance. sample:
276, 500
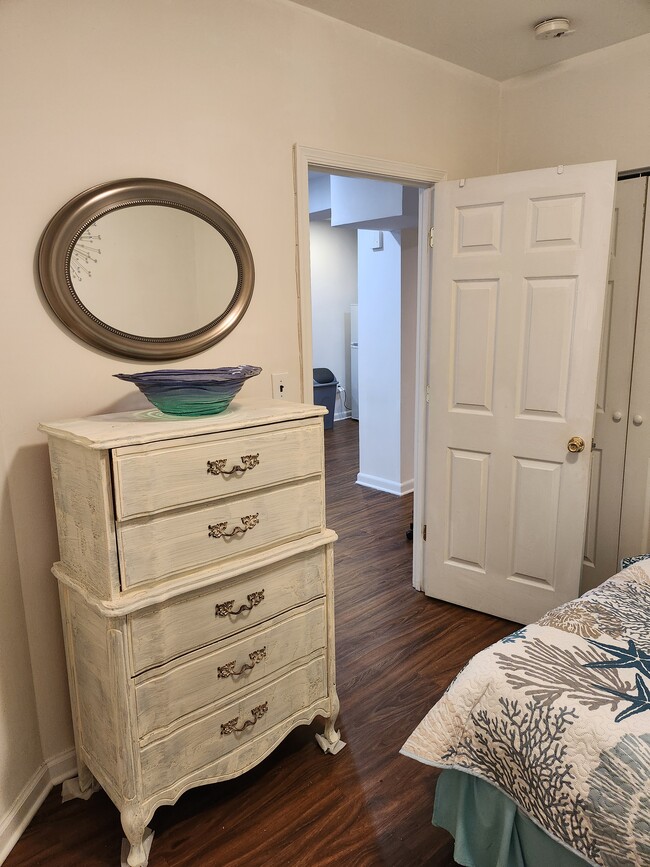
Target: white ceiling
494, 37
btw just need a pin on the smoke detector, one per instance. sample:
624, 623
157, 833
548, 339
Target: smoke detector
553, 28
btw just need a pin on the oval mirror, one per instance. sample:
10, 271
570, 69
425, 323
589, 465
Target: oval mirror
146, 268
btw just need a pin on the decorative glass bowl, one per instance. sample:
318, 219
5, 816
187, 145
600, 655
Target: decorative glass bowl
191, 392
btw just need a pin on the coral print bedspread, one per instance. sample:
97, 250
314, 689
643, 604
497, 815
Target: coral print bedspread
557, 716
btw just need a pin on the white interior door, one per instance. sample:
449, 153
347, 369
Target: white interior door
519, 275
601, 558
635, 514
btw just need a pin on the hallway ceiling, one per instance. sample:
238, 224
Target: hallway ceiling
494, 37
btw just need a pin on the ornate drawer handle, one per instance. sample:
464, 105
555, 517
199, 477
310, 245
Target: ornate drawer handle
231, 726
223, 609
218, 531
218, 468
228, 670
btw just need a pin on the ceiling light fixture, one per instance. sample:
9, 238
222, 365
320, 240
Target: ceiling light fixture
552, 28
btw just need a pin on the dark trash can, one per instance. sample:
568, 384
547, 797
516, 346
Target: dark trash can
325, 387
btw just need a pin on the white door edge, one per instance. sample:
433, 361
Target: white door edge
425, 222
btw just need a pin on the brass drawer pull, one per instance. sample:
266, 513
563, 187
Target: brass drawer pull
223, 609
218, 468
228, 670
218, 531
231, 726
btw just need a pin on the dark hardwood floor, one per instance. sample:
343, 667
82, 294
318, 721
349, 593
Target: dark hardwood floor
368, 806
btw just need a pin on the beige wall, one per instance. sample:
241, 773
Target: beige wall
595, 107
20, 745
212, 94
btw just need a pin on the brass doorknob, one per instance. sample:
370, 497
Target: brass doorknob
576, 444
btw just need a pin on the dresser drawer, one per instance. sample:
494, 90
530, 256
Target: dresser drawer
166, 631
155, 548
197, 469
203, 678
221, 731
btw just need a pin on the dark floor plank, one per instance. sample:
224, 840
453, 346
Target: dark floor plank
367, 807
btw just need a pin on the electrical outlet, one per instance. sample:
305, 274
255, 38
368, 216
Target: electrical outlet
280, 383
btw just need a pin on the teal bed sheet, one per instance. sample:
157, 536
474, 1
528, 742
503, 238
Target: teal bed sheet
489, 830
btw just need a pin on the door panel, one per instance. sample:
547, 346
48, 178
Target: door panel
534, 520
474, 335
547, 344
467, 499
556, 222
517, 297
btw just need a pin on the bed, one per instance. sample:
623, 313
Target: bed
544, 738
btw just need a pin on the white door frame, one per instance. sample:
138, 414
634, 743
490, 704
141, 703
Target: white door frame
306, 158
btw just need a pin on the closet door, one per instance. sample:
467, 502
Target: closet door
635, 514
612, 397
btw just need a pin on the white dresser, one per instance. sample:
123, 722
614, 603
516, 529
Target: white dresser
196, 593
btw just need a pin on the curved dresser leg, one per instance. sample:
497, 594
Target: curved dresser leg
139, 837
330, 741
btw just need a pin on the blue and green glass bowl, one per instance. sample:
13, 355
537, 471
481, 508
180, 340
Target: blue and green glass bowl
191, 392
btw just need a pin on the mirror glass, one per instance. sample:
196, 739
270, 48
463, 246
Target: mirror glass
146, 268
153, 270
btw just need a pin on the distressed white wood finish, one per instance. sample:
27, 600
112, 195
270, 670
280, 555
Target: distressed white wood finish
119, 429
517, 297
167, 630
139, 596
134, 599
168, 694
84, 516
199, 743
150, 478
166, 545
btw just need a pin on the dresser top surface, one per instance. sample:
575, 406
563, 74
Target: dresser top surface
132, 428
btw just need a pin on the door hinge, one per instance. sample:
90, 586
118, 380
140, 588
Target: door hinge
431, 236
424, 532
427, 395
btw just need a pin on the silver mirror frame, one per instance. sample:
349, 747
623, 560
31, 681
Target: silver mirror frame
69, 223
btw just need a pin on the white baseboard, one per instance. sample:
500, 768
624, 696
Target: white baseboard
386, 485
34, 792
340, 415
63, 766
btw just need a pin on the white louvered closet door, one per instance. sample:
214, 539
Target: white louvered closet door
601, 555
635, 513
518, 287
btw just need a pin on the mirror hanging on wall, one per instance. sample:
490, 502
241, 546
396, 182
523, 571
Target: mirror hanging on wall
146, 268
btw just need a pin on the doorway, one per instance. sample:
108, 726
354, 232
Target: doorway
308, 159
363, 254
